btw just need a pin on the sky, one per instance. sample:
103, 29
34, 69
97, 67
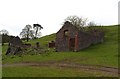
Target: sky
50, 14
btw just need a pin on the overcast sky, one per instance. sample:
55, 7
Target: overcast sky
15, 14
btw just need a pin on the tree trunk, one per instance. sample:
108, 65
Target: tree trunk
36, 33
27, 37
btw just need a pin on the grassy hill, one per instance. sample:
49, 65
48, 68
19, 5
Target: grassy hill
43, 40
105, 54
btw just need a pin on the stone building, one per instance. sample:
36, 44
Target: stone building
70, 38
14, 46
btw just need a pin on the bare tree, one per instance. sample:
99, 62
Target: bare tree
26, 32
37, 28
76, 21
92, 24
31, 34
5, 32
23, 34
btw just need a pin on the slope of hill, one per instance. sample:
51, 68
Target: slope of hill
43, 40
105, 54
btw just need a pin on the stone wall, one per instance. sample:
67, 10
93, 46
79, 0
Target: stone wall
14, 46
84, 40
62, 40
66, 39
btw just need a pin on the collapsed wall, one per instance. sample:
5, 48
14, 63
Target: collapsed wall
14, 46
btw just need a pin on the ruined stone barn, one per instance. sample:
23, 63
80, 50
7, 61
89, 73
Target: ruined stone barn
70, 38
14, 46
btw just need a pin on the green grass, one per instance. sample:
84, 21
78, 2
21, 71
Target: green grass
43, 40
101, 54
105, 54
51, 72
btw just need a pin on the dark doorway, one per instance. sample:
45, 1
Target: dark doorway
72, 44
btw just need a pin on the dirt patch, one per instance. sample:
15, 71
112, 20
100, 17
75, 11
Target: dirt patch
93, 68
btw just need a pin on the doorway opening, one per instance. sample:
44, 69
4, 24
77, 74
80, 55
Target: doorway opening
71, 44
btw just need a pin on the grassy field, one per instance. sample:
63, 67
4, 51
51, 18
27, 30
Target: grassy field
50, 72
105, 54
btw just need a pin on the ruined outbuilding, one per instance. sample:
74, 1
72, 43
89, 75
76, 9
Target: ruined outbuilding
14, 46
17, 47
70, 38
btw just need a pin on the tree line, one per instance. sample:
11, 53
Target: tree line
5, 36
28, 33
